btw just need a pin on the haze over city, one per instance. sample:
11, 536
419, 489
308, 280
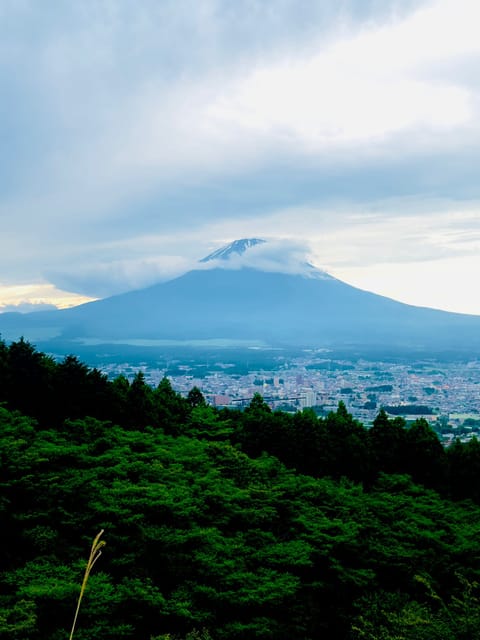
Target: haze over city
137, 138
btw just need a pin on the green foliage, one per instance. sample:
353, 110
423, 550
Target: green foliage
19, 620
226, 524
203, 536
195, 398
464, 462
390, 616
192, 635
205, 422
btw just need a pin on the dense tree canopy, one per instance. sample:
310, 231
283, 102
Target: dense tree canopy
225, 524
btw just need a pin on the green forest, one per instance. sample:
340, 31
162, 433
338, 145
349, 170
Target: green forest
223, 524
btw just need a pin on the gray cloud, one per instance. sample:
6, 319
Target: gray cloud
125, 121
102, 279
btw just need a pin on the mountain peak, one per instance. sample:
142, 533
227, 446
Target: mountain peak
237, 247
276, 256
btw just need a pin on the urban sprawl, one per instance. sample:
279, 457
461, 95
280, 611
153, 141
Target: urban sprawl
445, 394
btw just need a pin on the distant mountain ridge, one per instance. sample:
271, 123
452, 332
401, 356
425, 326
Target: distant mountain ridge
248, 305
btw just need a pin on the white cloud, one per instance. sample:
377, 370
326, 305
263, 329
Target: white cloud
36, 297
118, 141
27, 307
102, 279
275, 255
444, 284
361, 89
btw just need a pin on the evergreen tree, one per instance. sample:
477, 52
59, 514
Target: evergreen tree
426, 459
388, 444
140, 403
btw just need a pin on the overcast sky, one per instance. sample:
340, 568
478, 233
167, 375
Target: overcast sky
136, 137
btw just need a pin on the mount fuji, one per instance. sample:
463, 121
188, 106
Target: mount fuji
245, 294
237, 247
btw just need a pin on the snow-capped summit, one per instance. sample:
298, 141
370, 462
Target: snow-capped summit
276, 255
237, 247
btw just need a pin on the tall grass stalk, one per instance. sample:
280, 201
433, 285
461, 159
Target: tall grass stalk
95, 553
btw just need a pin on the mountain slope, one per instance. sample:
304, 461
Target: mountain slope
248, 304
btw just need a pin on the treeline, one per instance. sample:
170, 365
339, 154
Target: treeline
408, 409
225, 524
335, 446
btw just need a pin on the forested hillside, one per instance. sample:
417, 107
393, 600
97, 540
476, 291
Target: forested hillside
225, 524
